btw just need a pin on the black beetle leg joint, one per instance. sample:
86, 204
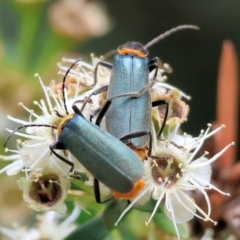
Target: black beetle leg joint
75, 176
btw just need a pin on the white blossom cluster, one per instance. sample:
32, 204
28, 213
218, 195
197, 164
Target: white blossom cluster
170, 174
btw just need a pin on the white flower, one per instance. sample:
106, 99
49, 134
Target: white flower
171, 175
45, 190
160, 86
87, 70
104, 75
47, 227
41, 130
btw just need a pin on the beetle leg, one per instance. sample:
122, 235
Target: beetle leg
97, 193
104, 64
109, 101
94, 113
96, 92
155, 63
60, 146
157, 103
102, 112
139, 134
136, 94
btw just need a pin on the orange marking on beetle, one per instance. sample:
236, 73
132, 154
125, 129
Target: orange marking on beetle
63, 120
124, 51
138, 186
141, 152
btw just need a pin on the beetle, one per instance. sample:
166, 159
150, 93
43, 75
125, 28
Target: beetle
107, 158
130, 79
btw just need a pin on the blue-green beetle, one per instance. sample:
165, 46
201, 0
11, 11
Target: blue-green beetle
130, 79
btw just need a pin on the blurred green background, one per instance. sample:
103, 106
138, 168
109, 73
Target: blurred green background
194, 56
30, 42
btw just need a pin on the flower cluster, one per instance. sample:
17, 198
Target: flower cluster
171, 172
44, 171
48, 226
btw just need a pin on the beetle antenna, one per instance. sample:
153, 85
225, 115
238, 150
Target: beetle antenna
25, 126
169, 32
109, 54
58, 114
77, 111
63, 84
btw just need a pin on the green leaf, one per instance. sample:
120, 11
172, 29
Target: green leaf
94, 229
127, 234
79, 184
166, 225
112, 212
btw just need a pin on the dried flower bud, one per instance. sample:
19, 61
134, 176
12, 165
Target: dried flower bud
45, 191
78, 19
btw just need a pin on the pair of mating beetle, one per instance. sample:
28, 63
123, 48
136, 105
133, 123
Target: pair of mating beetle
128, 120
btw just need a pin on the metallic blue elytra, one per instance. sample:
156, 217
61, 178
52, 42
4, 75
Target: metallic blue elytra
108, 159
129, 89
127, 114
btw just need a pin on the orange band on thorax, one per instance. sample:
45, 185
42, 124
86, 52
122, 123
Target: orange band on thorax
63, 120
124, 51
